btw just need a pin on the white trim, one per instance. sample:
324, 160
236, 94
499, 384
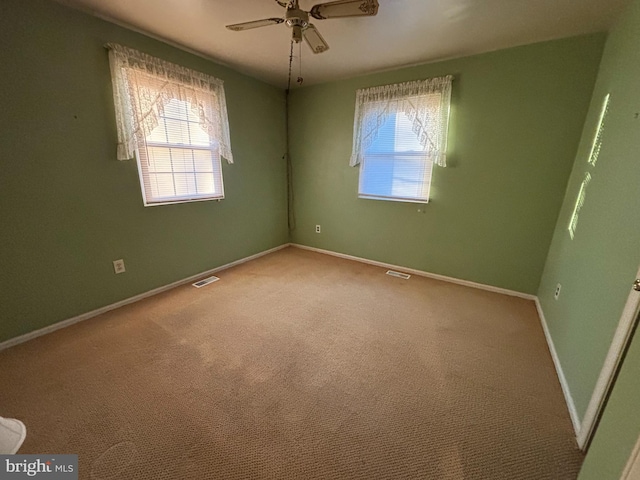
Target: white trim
420, 273
573, 412
575, 419
633, 464
620, 340
85, 316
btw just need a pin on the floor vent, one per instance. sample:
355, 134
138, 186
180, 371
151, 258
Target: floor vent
398, 274
204, 282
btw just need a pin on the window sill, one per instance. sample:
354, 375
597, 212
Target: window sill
181, 200
392, 199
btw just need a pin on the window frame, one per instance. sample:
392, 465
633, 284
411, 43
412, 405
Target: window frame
425, 182
426, 106
146, 188
173, 120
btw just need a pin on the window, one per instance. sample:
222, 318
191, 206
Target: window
179, 161
400, 131
174, 121
394, 166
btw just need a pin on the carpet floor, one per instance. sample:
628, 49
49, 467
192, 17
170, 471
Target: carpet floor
299, 365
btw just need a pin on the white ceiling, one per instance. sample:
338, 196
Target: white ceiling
405, 32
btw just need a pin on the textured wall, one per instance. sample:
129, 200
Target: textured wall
598, 266
516, 120
68, 207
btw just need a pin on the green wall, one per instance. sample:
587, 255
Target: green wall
68, 207
597, 268
619, 428
516, 121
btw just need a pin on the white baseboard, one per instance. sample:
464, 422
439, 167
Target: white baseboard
632, 469
85, 316
573, 413
420, 273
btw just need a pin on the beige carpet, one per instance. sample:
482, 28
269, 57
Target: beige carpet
299, 366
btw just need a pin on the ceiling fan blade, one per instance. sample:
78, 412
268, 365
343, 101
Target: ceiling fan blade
314, 39
344, 8
238, 27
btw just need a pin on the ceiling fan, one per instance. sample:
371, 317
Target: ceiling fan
298, 20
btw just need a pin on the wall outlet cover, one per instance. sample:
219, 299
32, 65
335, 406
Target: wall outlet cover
118, 266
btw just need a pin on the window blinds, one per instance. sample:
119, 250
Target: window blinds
394, 166
400, 131
179, 161
175, 120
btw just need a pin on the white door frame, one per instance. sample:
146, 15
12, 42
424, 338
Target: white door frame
611, 363
632, 470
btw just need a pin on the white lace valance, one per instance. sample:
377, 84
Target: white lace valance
143, 85
426, 103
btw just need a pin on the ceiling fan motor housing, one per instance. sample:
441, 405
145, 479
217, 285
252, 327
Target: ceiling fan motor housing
294, 17
298, 20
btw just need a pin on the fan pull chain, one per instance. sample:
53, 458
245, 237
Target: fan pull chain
291, 219
290, 65
300, 79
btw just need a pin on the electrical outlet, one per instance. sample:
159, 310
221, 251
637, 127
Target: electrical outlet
118, 266
317, 228
556, 294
